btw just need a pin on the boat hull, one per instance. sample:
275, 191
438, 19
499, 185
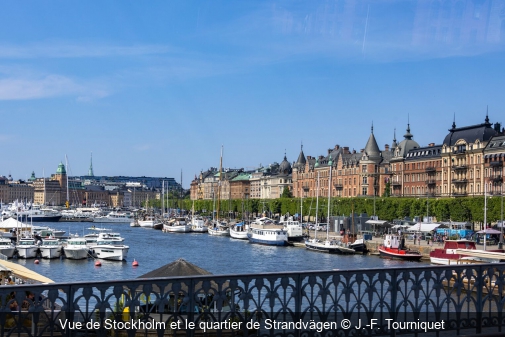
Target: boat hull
241, 235
50, 218
50, 253
110, 253
8, 251
219, 232
399, 254
322, 248
177, 229
198, 229
76, 253
27, 252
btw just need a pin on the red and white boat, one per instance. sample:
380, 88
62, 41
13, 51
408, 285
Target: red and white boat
448, 254
393, 248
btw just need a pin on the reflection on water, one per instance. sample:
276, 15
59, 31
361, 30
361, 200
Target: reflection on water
219, 255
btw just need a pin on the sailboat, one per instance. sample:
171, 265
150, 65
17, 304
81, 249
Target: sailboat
217, 227
197, 222
326, 246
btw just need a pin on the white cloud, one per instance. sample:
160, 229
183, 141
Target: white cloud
36, 87
69, 50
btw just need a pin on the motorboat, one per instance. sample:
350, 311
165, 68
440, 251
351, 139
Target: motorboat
76, 249
198, 225
44, 231
109, 248
27, 248
265, 231
293, 228
114, 217
50, 248
239, 231
36, 214
358, 246
177, 225
394, 248
325, 246
448, 255
7, 248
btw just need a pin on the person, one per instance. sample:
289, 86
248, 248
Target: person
415, 237
10, 281
30, 297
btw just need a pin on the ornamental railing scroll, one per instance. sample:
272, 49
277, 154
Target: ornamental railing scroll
466, 298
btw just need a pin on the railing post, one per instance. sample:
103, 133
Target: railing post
478, 305
394, 298
191, 307
298, 301
70, 312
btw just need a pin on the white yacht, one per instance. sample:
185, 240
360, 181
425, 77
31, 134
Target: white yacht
265, 231
44, 231
239, 231
148, 222
198, 225
114, 217
177, 225
293, 228
27, 248
50, 248
76, 249
109, 248
7, 248
36, 214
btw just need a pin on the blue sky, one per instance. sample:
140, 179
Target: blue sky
153, 88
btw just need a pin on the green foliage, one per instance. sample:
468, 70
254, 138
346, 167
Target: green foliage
286, 193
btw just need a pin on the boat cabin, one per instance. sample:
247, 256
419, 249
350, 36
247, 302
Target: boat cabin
392, 241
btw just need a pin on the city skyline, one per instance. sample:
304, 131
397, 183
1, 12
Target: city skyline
156, 90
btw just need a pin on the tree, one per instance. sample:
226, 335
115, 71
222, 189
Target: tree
286, 193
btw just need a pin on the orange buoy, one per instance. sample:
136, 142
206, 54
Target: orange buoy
36, 261
135, 263
98, 264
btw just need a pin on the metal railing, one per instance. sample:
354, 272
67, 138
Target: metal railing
464, 299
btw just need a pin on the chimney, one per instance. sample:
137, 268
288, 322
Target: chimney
346, 149
353, 151
309, 157
362, 150
329, 151
497, 127
337, 147
431, 144
386, 147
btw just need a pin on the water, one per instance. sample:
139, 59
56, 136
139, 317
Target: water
219, 255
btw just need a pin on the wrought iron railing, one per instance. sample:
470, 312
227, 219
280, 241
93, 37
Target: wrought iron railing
459, 298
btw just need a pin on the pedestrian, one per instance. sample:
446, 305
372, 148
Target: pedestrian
415, 237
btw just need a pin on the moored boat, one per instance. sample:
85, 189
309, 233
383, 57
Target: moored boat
293, 228
448, 255
219, 229
109, 248
239, 231
50, 248
265, 231
76, 249
198, 225
114, 217
394, 248
27, 248
7, 248
177, 225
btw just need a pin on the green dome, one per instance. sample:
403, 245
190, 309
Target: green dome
61, 169
32, 178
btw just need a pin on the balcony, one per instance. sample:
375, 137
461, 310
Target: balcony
429, 169
431, 182
396, 183
459, 194
224, 296
497, 178
459, 167
459, 181
338, 187
305, 188
496, 163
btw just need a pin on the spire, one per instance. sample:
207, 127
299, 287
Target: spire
330, 162
394, 144
372, 127
454, 122
408, 135
487, 115
371, 148
300, 163
90, 171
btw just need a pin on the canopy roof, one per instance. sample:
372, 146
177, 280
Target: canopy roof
425, 227
179, 267
489, 231
379, 223
25, 273
13, 223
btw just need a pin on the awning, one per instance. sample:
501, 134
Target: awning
378, 223
25, 273
425, 227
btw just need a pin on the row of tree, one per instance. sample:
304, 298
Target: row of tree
443, 209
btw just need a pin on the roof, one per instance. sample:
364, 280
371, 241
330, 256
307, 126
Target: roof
301, 160
179, 267
13, 223
242, 177
482, 132
371, 148
406, 145
25, 273
425, 227
424, 153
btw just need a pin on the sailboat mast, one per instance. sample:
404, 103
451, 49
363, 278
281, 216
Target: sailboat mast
329, 200
317, 205
66, 165
44, 177
219, 184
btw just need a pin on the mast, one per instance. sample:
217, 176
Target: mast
317, 205
485, 214
219, 184
44, 177
329, 200
68, 199
163, 199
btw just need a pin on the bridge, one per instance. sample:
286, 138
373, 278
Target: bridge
452, 300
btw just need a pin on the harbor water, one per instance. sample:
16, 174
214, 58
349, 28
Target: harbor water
219, 255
